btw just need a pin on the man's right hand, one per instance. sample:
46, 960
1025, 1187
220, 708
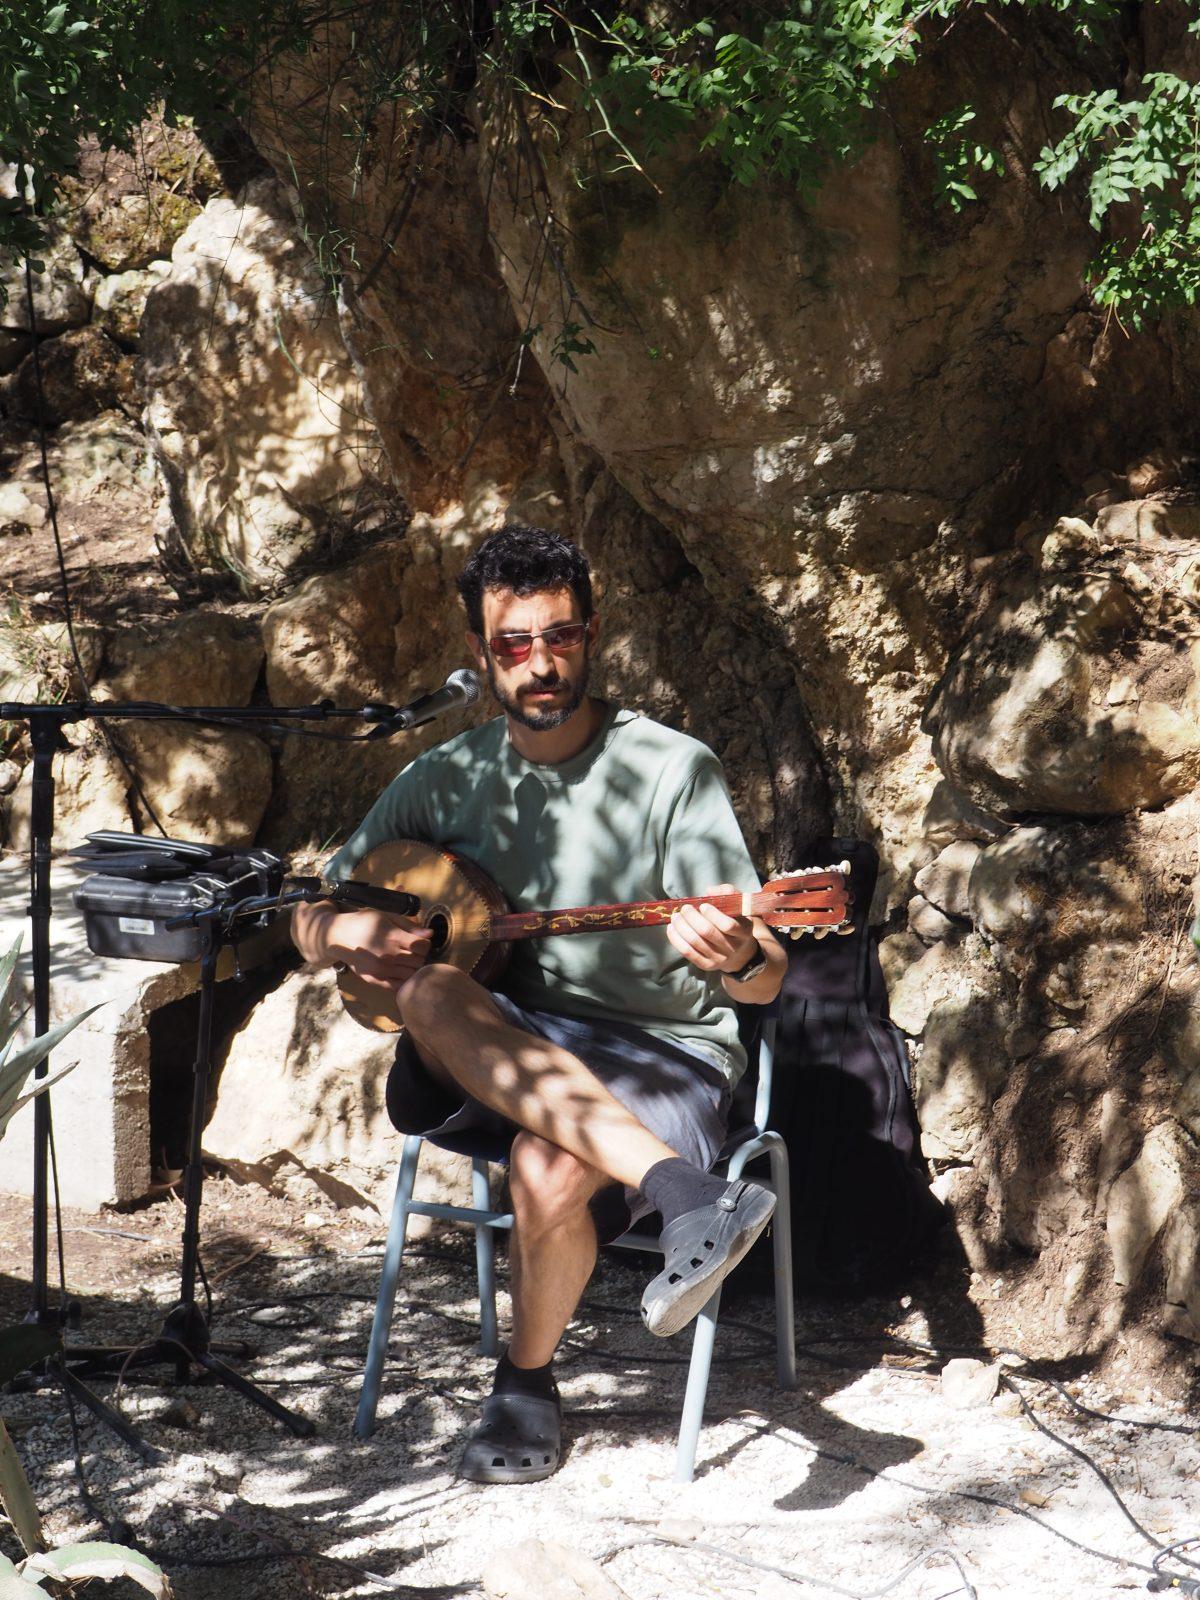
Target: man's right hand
381, 948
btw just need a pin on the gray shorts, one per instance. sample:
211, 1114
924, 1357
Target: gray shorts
678, 1095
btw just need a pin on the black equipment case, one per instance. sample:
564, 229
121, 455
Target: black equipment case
138, 884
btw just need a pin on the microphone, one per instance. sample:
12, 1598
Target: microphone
461, 688
349, 891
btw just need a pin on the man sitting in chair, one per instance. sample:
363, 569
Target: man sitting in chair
609, 1058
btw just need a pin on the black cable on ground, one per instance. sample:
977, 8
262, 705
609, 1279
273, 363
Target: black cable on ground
1169, 1580
792, 1574
1092, 1465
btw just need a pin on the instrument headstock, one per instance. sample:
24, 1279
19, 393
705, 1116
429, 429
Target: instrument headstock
814, 900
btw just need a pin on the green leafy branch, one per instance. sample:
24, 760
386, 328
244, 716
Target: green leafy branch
1142, 161
779, 91
959, 158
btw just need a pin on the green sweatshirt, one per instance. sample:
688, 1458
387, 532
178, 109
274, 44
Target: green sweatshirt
643, 813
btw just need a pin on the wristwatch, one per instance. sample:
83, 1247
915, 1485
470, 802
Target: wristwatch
750, 969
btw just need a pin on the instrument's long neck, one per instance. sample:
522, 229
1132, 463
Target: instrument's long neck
602, 919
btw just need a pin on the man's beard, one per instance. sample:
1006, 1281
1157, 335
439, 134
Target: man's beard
552, 716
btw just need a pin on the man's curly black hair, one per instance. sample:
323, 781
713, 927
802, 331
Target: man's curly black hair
524, 560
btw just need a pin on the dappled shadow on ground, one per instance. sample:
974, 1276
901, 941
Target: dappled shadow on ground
240, 1500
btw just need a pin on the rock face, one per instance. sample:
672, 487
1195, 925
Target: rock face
128, 209
750, 381
254, 408
837, 471
91, 792
62, 291
378, 630
1052, 705
121, 299
84, 373
202, 783
462, 411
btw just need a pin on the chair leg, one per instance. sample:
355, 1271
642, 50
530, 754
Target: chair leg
381, 1324
785, 1305
485, 1261
697, 1390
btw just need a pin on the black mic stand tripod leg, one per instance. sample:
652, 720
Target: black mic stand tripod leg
46, 738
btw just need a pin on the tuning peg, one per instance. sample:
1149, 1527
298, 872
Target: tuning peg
819, 933
844, 866
797, 933
844, 928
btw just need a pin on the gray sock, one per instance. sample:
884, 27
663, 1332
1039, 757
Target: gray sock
675, 1186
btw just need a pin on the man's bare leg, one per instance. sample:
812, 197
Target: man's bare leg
465, 1039
462, 1035
553, 1249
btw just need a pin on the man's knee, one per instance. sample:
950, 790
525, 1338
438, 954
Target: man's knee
548, 1185
426, 998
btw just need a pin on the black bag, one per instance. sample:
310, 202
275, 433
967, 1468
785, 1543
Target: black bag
862, 1211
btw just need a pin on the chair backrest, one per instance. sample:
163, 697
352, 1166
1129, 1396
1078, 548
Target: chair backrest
765, 1067
752, 1097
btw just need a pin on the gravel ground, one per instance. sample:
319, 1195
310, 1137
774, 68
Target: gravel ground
865, 1468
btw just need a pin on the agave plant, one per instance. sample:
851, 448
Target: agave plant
16, 1065
28, 1343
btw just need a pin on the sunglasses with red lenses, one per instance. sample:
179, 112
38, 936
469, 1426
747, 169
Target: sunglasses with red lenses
519, 646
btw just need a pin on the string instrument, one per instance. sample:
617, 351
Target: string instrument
472, 928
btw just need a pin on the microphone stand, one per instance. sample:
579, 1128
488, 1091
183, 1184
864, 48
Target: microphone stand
46, 724
183, 1340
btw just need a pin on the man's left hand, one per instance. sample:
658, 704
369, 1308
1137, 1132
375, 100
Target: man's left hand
711, 939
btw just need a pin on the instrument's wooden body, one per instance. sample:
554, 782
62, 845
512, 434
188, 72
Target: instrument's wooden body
472, 928
458, 905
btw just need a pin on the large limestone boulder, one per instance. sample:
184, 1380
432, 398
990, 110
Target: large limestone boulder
198, 658
121, 299
961, 1068
808, 395
947, 999
300, 1103
1036, 883
207, 784
91, 793
1181, 1259
91, 789
253, 407
1145, 1197
101, 459
460, 406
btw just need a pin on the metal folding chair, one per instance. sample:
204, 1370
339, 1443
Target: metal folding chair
745, 1145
